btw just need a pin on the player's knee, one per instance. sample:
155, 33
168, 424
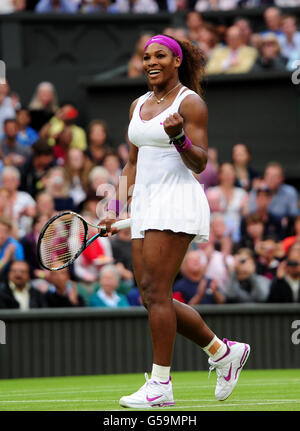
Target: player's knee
153, 293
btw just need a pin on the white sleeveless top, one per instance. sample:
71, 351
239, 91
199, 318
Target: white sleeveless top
151, 132
166, 194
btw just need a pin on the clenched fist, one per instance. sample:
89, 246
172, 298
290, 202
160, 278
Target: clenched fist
173, 124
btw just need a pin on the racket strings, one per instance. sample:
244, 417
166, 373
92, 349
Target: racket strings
62, 241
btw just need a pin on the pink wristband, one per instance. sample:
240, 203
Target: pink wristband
116, 206
185, 146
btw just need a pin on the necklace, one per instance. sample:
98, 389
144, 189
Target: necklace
163, 98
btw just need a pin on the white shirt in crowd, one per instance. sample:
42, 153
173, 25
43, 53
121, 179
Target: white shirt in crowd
295, 286
203, 5
6, 6
139, 6
23, 201
21, 296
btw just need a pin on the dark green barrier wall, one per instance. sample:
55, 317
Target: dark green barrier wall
81, 342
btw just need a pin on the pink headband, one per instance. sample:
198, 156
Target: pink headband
168, 42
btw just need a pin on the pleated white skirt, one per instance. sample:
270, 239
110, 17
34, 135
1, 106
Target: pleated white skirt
167, 196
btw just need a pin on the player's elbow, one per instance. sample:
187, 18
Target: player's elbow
201, 165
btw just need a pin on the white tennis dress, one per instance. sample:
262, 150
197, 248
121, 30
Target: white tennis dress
166, 195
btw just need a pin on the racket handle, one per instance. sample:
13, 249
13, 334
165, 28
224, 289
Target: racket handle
122, 224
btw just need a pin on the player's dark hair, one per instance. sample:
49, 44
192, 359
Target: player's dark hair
191, 69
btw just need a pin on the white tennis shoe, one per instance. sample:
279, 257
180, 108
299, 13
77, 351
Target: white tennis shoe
228, 367
151, 394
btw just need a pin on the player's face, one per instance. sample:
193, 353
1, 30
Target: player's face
159, 64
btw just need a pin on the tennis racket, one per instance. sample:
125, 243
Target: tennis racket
65, 236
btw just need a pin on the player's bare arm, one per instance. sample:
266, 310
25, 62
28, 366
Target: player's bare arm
192, 118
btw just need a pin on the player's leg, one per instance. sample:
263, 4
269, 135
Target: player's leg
156, 269
192, 326
189, 322
163, 252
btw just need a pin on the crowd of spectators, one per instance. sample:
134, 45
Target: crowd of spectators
48, 163
237, 48
135, 6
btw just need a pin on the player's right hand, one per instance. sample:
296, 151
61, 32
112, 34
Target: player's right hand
109, 219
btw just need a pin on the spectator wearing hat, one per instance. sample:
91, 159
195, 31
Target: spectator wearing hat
270, 57
65, 118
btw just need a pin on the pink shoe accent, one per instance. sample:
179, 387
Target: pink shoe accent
167, 382
228, 377
243, 359
152, 399
231, 343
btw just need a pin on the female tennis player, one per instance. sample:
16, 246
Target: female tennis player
168, 141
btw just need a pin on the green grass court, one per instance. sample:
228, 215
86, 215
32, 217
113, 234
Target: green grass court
257, 390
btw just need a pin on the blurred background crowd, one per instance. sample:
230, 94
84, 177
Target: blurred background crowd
135, 6
49, 163
238, 48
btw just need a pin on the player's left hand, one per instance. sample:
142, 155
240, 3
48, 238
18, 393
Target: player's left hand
173, 124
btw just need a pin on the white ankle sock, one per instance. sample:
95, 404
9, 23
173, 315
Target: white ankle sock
219, 353
160, 373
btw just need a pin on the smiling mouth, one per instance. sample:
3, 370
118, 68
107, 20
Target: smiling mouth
154, 72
